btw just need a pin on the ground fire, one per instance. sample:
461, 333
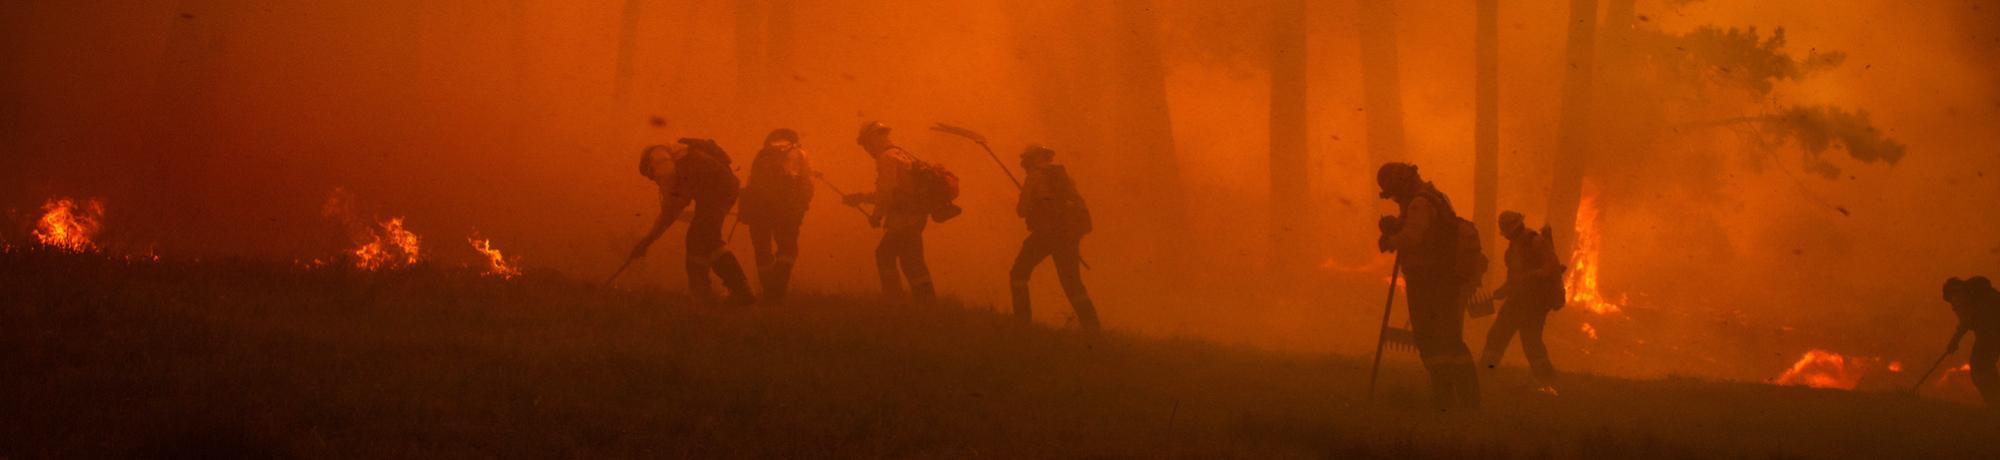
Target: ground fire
1826, 369
496, 264
70, 224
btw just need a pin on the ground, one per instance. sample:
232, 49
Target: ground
116, 358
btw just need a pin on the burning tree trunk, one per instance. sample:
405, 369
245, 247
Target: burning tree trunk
1289, 183
1573, 132
1381, 81
1486, 126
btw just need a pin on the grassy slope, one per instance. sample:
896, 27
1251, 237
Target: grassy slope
102, 358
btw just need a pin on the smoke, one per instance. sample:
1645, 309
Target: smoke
1818, 129
219, 132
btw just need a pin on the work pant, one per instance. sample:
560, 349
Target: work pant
777, 250
1527, 320
1985, 376
1437, 319
903, 247
1065, 249
706, 251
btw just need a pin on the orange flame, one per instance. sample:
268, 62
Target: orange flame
496, 264
1582, 279
1589, 331
388, 246
70, 225
1826, 369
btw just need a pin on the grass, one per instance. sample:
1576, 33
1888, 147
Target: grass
111, 358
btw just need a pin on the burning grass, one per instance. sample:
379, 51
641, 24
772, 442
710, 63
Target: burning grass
249, 359
70, 224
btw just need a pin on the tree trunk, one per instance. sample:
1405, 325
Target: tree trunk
628, 43
1144, 127
1573, 131
780, 29
1290, 186
1381, 81
1486, 123
749, 55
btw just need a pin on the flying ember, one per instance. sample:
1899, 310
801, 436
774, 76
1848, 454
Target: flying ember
70, 225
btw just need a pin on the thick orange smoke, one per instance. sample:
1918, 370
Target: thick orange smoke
70, 225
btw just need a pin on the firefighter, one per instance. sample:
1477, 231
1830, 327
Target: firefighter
900, 215
1057, 221
1533, 289
774, 207
1426, 238
697, 171
1978, 307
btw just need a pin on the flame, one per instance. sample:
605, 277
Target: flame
1589, 331
388, 246
1582, 279
496, 265
70, 225
1826, 369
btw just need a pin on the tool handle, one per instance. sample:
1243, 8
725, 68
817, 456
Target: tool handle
1382, 335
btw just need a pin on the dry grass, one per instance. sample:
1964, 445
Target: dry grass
105, 358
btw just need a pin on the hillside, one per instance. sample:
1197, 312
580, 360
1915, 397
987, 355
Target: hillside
113, 358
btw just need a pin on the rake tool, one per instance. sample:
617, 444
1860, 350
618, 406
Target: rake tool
1399, 338
976, 138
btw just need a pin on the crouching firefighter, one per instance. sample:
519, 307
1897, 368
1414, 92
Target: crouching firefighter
697, 171
1057, 221
1439, 253
908, 193
774, 207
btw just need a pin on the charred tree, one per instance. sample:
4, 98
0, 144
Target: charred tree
1486, 123
1290, 185
1573, 131
1381, 81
